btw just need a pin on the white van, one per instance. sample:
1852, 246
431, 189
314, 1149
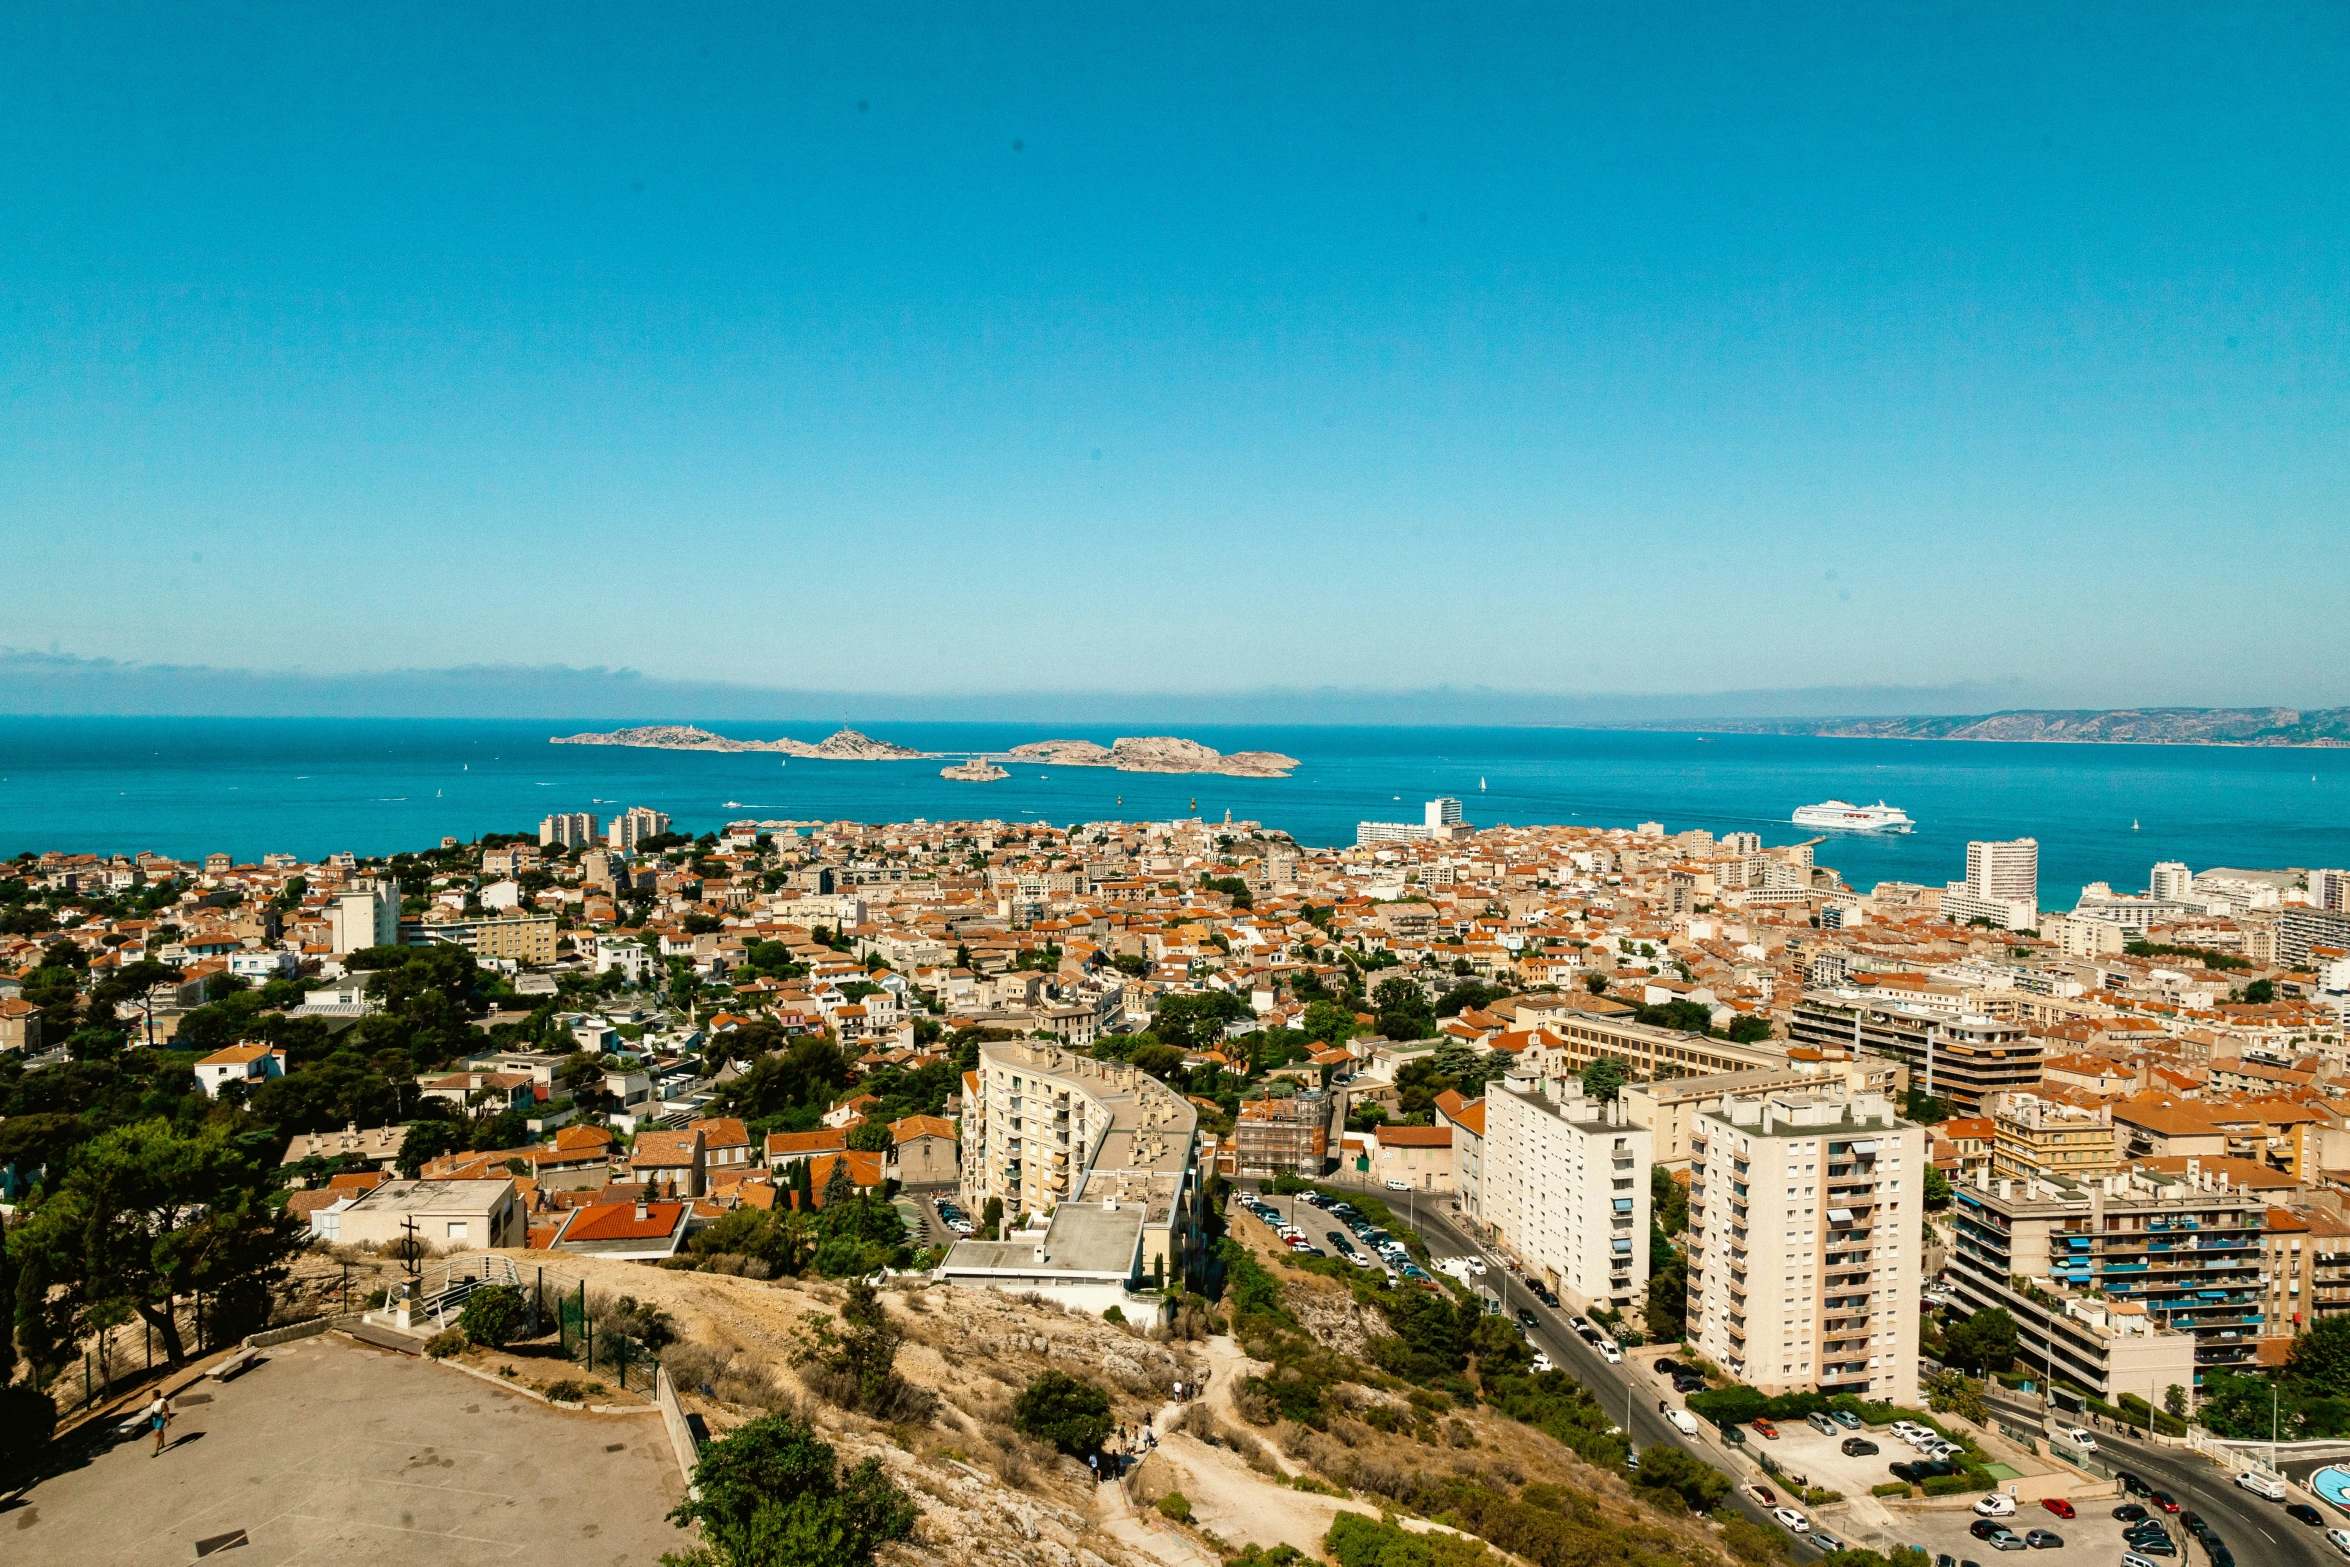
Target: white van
2075, 1438
1683, 1421
2262, 1485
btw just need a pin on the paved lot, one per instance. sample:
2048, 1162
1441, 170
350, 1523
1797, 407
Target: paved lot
330, 1452
2093, 1539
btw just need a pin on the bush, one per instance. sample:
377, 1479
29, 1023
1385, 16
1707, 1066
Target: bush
1958, 1484
493, 1316
1176, 1506
449, 1341
1359, 1540
1069, 1412
772, 1494
567, 1392
1891, 1488
1114, 1314
1750, 1541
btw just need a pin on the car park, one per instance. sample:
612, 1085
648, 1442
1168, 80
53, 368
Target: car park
2057, 1505
2302, 1512
2043, 1539
1858, 1447
2007, 1540
2129, 1512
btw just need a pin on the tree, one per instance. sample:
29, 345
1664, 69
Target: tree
1689, 1481
1983, 1343
1949, 1392
1417, 1086
1403, 1009
2174, 1400
871, 1136
1328, 1023
145, 1216
2260, 993
1604, 1078
1937, 1192
773, 1495
1668, 1201
7, 1309
2321, 1356
428, 1138
1069, 1412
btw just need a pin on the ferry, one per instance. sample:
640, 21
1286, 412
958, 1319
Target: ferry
1844, 816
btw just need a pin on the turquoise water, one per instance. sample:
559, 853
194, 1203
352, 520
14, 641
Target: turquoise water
312, 786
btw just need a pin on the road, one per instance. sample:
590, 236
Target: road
2257, 1531
1628, 1399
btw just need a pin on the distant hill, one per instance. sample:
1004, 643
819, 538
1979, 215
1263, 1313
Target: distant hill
2115, 726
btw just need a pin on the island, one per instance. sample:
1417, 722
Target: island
846, 745
1126, 754
2266, 726
1157, 754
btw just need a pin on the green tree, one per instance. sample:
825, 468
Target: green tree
1984, 1343
146, 1216
1416, 1088
772, 1494
2320, 1357
1069, 1412
427, 1139
1328, 1023
871, 1136
1690, 1482
1937, 1190
1668, 1200
1403, 1009
1950, 1392
1604, 1078
2260, 993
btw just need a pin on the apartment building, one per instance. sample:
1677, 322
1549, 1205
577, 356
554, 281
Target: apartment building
634, 826
363, 917
1286, 1134
1048, 1131
527, 939
568, 830
1963, 1059
1583, 1036
2036, 1136
2306, 1265
1669, 1107
1805, 1258
2183, 1248
1565, 1188
2299, 929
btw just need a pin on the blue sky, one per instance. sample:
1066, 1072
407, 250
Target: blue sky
1581, 349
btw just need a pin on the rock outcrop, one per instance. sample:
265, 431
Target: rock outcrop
1157, 754
847, 745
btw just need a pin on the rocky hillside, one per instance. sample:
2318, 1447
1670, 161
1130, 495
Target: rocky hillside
2115, 726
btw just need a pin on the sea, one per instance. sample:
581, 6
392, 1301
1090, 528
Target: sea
309, 787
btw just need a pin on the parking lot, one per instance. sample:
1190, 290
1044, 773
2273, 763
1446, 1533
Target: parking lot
2092, 1537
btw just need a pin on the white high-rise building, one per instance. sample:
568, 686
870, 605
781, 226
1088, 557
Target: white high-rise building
2007, 869
1444, 811
362, 917
634, 827
1805, 1257
568, 829
2330, 890
1565, 1183
2170, 882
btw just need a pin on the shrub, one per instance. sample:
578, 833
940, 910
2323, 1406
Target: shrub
1359, 1540
1175, 1505
1069, 1412
447, 1342
27, 1416
1750, 1541
1957, 1484
1892, 1488
493, 1316
567, 1392
1114, 1314
772, 1493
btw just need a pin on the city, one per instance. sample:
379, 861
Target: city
2049, 1175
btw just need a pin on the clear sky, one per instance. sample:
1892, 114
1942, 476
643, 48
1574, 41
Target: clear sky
1567, 348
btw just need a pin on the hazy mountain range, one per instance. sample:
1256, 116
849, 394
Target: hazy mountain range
2116, 726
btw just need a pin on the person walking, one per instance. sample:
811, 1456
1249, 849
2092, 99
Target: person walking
159, 1415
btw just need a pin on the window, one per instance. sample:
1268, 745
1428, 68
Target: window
457, 1229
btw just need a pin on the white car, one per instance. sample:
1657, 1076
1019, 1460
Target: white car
2339, 1539
2076, 1438
1476, 1265
2262, 1485
1399, 1186
1997, 1505
1609, 1352
1682, 1421
1796, 1523
1541, 1361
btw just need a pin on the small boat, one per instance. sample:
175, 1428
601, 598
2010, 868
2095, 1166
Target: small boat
1480, 786
2133, 824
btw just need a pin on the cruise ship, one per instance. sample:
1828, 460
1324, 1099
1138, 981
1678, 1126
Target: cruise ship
1844, 816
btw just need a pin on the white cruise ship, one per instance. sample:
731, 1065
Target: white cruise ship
1844, 816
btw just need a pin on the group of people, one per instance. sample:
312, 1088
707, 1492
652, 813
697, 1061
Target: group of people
1130, 1445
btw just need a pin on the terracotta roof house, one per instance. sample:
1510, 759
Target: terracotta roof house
672, 1160
786, 1148
247, 1064
640, 1232
726, 1142
925, 1151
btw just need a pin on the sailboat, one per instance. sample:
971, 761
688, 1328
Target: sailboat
2133, 824
1480, 786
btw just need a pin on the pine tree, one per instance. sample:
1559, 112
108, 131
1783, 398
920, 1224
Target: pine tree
36, 1328
8, 1320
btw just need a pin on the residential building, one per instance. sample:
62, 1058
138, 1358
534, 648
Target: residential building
626, 1232
1961, 1059
1805, 1257
2300, 929
447, 1215
924, 1151
568, 830
2305, 1265
1669, 1106
1583, 1032
1565, 1188
1283, 1134
363, 917
519, 938
1049, 1130
1418, 1156
2170, 882
634, 826
2002, 885
2036, 1136
669, 1161
20, 1025
2179, 1246
249, 1065
1465, 1118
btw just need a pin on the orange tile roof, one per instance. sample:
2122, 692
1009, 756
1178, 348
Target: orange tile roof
617, 1221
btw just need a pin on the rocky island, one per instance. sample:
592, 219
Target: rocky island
846, 745
978, 770
1157, 754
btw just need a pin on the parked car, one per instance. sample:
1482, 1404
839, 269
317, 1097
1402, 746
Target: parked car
2129, 1512
2042, 1539
2131, 1485
2302, 1512
2057, 1505
1845, 1418
1984, 1528
1765, 1428
2339, 1539
1542, 1361
1581, 1324
1763, 1495
2133, 1559
1548, 1296
2153, 1546
1858, 1447
2221, 1556
1682, 1421
1794, 1521
1611, 1352
1821, 1423
1689, 1382
1996, 1505
2195, 1524
2007, 1540
1825, 1541
2164, 1500
1667, 1366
